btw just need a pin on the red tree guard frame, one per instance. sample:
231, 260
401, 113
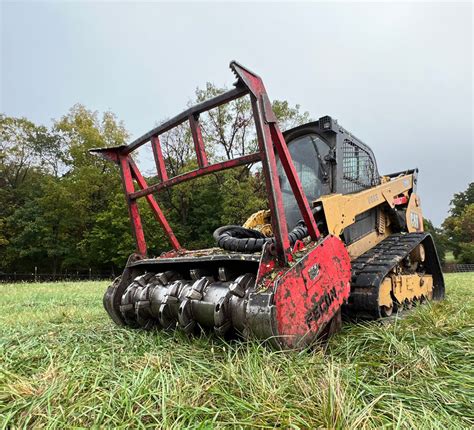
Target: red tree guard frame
270, 141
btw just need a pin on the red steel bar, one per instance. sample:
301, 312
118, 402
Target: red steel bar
270, 139
275, 200
228, 164
226, 97
159, 159
293, 179
263, 116
160, 217
198, 141
135, 219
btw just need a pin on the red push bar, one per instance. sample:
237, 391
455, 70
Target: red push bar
193, 174
270, 139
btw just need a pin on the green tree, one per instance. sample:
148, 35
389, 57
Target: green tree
92, 183
461, 200
466, 225
29, 154
26, 147
198, 207
64, 190
438, 237
110, 240
459, 226
45, 228
289, 117
63, 208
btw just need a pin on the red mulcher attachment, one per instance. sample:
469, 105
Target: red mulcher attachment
288, 295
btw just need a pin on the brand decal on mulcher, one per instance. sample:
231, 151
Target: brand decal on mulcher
321, 306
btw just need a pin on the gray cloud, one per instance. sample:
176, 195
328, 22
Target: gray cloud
399, 76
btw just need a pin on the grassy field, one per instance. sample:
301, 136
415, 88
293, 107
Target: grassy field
63, 363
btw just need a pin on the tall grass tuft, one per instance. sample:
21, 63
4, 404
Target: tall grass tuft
63, 363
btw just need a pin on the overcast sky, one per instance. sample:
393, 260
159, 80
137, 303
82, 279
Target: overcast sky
399, 76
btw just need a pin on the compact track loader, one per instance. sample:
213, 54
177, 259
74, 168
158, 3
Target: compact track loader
338, 237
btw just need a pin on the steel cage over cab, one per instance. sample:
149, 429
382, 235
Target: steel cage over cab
270, 141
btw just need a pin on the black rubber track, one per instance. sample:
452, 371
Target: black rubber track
369, 270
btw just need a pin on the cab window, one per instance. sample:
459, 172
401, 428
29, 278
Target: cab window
307, 153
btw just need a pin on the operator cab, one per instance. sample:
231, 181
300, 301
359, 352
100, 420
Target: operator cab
328, 159
308, 153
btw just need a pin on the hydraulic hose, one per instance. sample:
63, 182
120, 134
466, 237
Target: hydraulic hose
239, 239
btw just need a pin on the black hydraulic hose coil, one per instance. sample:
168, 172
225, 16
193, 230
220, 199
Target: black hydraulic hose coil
239, 239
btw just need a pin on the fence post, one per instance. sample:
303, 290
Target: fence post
36, 274
90, 273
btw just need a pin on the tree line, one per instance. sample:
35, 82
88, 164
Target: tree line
456, 233
62, 208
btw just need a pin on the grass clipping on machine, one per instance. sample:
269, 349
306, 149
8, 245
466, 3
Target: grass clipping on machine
63, 363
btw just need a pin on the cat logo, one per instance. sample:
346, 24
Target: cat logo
415, 220
373, 198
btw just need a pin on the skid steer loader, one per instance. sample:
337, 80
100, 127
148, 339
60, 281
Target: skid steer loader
337, 237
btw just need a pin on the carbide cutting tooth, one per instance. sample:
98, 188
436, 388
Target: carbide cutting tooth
237, 289
241, 284
197, 290
161, 278
142, 280
194, 295
174, 289
224, 274
166, 319
166, 277
143, 315
196, 274
185, 316
169, 299
222, 316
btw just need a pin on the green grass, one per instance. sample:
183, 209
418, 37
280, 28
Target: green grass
64, 364
449, 257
